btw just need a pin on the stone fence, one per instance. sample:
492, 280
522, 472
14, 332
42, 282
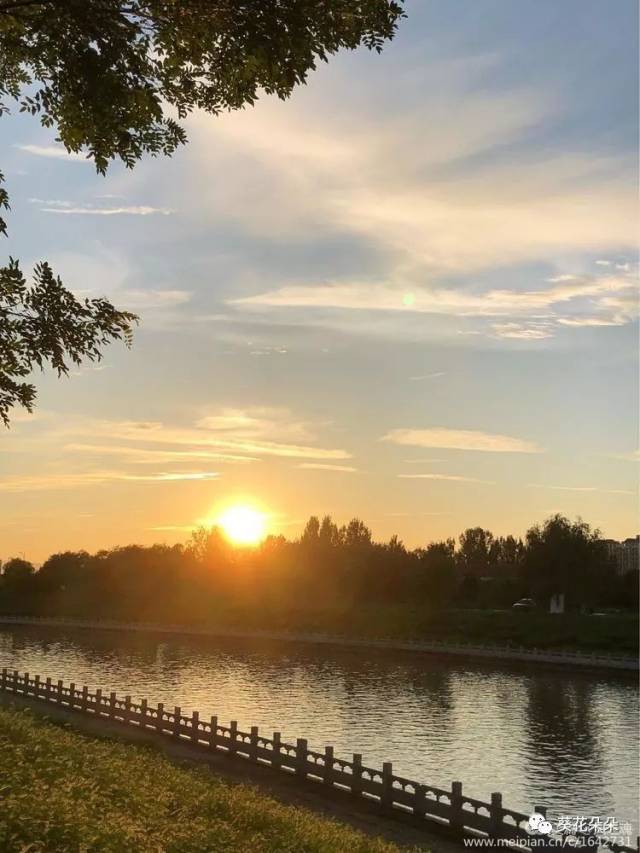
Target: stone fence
396, 796
598, 660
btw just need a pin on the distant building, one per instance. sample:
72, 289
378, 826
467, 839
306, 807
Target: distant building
626, 554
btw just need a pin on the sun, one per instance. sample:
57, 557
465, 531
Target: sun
243, 525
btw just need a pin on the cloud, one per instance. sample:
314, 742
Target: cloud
522, 332
55, 151
580, 322
632, 456
452, 477
320, 466
258, 422
456, 439
611, 310
153, 298
581, 489
138, 455
391, 297
425, 210
56, 482
529, 315
133, 210
245, 433
426, 376
269, 350
449, 208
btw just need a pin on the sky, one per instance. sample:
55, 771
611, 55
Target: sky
407, 294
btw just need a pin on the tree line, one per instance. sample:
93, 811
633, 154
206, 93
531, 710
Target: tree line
326, 567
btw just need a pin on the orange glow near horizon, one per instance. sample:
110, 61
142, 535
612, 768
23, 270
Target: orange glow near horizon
243, 524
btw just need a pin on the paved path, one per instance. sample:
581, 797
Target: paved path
536, 656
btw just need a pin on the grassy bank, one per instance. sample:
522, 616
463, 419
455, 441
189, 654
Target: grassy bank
613, 633
63, 792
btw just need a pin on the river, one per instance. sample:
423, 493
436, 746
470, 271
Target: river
541, 736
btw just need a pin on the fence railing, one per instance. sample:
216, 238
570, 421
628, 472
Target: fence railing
395, 795
517, 653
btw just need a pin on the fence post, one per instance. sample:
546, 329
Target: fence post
72, 695
195, 724
456, 818
3, 685
356, 778
160, 717
98, 702
233, 734
386, 799
26, 684
15, 680
301, 757
276, 757
544, 841
47, 690
420, 801
253, 752
177, 712
85, 698
127, 709
327, 776
213, 734
36, 686
495, 815
60, 689
112, 705
143, 713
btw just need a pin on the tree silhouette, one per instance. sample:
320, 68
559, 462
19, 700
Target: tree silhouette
328, 570
46, 324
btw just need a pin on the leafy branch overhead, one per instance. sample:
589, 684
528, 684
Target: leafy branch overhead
103, 71
45, 324
114, 79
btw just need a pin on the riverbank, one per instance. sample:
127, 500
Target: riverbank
546, 656
63, 791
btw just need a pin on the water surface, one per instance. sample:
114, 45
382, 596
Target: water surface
541, 736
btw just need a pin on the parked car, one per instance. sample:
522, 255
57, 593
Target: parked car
524, 604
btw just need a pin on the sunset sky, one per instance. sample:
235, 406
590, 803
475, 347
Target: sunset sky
409, 293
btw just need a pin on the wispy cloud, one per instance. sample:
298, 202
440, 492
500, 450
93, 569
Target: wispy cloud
373, 296
54, 151
56, 482
582, 489
518, 331
236, 432
426, 376
153, 298
131, 210
57, 205
320, 466
458, 439
146, 456
424, 209
258, 422
451, 477
632, 456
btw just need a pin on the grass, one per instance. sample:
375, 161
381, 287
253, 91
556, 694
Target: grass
63, 792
